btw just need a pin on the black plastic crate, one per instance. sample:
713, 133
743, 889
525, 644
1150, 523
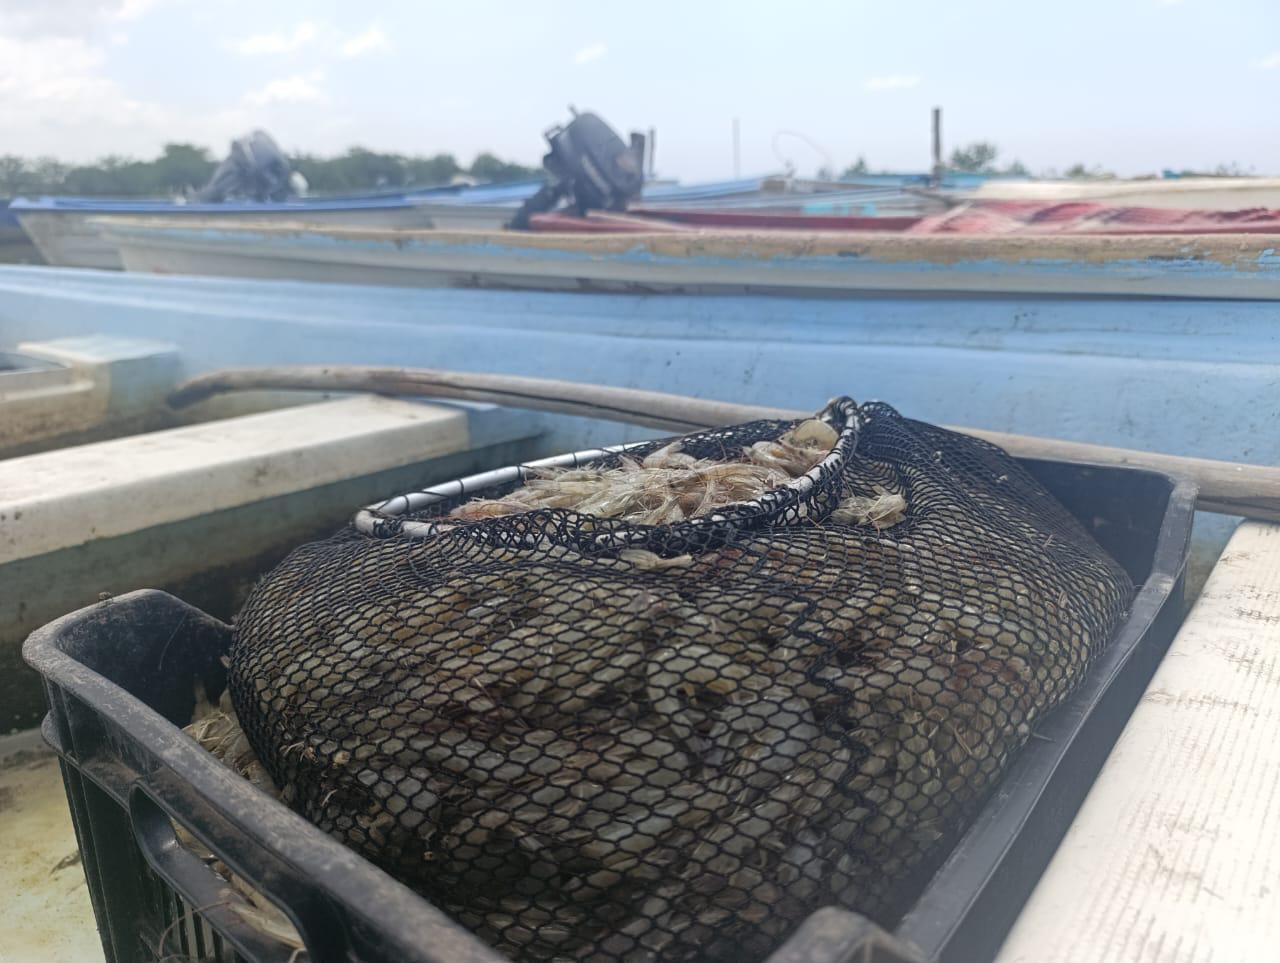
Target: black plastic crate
120, 678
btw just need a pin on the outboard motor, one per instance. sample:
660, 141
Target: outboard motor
255, 170
590, 165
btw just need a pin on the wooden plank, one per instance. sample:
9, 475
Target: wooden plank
63, 498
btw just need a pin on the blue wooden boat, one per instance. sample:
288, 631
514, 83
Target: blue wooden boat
1188, 376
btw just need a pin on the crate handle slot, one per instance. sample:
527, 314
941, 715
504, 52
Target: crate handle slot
154, 808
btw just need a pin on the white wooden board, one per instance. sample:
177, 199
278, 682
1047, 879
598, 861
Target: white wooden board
1175, 855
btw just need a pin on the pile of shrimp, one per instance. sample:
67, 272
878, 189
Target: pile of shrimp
666, 486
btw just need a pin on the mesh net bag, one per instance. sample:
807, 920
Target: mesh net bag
779, 671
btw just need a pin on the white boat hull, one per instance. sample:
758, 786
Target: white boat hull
16, 247
1181, 193
74, 238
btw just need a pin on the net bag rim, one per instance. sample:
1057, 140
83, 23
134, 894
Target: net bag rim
386, 519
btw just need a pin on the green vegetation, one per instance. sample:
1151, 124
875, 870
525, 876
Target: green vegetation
1232, 169
980, 158
857, 167
183, 166
1078, 172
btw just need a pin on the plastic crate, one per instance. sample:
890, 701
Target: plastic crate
120, 679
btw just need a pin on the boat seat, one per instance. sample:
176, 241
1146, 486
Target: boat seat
1175, 854
56, 392
60, 499
203, 510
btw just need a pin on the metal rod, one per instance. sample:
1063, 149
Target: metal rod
1227, 488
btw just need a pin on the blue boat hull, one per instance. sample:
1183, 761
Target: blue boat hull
1183, 376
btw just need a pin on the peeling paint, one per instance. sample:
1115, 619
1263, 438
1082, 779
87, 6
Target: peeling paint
1174, 265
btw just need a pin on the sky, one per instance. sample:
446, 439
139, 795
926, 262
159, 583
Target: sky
1132, 86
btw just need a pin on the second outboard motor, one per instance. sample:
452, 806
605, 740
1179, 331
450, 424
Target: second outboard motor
590, 166
255, 170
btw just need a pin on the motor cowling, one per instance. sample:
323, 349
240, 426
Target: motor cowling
256, 169
590, 166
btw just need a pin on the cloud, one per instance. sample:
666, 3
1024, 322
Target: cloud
589, 53
307, 33
277, 43
363, 43
55, 98
67, 18
298, 89
134, 9
52, 70
892, 82
1270, 62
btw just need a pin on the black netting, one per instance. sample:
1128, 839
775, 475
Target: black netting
590, 739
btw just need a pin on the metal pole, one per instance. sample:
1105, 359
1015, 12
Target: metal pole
937, 146
653, 148
639, 148
737, 149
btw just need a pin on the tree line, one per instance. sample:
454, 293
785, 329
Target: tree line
184, 166
976, 158
980, 157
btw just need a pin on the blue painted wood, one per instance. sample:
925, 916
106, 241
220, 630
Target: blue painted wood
964, 180
1183, 376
